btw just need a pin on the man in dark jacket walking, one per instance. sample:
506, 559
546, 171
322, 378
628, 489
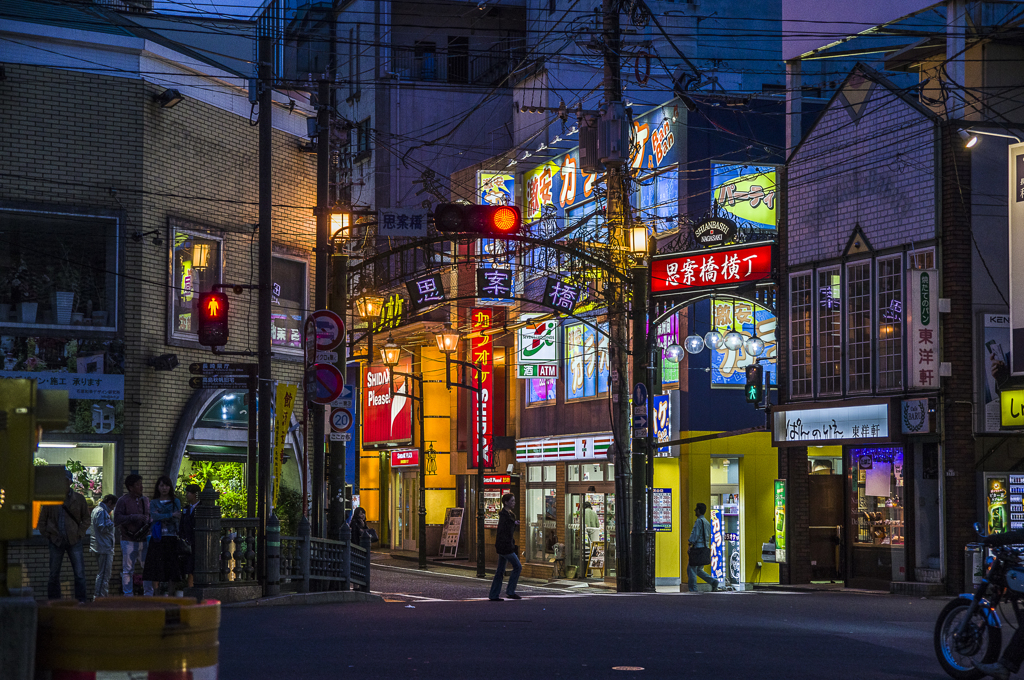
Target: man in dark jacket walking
506, 547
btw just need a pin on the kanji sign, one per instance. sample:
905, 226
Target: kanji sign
391, 314
285, 402
712, 268
560, 295
538, 370
923, 344
400, 222
494, 283
425, 291
481, 354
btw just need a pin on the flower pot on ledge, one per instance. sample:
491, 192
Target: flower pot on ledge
62, 303
27, 311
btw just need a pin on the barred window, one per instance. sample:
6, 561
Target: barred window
890, 323
858, 326
800, 336
830, 332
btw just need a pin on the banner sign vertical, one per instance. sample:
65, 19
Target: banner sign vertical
481, 354
923, 343
1016, 214
282, 418
780, 520
717, 545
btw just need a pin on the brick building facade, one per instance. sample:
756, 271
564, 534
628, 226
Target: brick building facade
97, 147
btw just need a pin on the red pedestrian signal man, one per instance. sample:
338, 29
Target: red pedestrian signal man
213, 319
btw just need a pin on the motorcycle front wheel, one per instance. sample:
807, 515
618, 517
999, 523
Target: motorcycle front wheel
980, 642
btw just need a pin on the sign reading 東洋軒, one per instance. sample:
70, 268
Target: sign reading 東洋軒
713, 268
923, 343
869, 422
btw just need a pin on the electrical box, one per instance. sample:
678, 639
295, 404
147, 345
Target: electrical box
613, 135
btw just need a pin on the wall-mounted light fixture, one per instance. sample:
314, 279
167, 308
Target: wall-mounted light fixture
168, 98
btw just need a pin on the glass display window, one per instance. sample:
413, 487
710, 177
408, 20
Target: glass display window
58, 269
289, 302
540, 391
196, 265
541, 529
590, 472
586, 361
92, 464
877, 495
540, 473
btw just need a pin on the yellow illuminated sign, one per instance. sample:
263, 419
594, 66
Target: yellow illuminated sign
1012, 408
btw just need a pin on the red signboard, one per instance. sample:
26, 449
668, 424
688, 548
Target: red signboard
405, 457
386, 419
712, 268
482, 354
497, 480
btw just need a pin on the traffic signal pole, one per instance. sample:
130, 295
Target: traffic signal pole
266, 244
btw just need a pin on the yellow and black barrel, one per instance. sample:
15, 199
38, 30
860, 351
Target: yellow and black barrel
158, 638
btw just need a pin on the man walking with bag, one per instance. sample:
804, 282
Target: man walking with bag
506, 548
699, 553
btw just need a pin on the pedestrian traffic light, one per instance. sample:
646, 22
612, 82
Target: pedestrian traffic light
25, 411
213, 319
755, 383
492, 221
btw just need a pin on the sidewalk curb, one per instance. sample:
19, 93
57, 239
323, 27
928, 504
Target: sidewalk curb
330, 597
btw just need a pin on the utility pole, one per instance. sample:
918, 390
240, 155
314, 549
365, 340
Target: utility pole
322, 250
266, 130
337, 450
618, 215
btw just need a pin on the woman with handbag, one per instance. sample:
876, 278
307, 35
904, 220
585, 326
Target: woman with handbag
162, 564
699, 553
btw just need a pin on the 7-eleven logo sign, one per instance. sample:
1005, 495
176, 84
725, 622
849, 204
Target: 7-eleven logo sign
538, 342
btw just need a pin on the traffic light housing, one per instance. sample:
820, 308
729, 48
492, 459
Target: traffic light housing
213, 319
491, 221
755, 383
25, 411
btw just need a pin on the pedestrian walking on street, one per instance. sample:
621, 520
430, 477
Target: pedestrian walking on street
187, 533
103, 543
131, 517
699, 553
65, 527
507, 550
162, 560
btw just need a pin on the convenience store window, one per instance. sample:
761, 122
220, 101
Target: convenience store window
541, 530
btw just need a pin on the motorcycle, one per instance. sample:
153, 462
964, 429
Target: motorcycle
969, 628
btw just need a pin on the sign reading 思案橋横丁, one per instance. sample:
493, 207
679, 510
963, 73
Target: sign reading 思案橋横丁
402, 222
923, 343
481, 401
713, 268
869, 422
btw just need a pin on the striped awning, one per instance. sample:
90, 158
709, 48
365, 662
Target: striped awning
585, 447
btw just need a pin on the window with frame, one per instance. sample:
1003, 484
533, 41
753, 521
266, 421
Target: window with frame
363, 139
890, 323
659, 199
858, 326
801, 341
540, 391
58, 269
586, 361
196, 263
289, 302
541, 517
830, 332
923, 259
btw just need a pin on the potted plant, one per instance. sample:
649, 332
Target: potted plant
25, 291
67, 279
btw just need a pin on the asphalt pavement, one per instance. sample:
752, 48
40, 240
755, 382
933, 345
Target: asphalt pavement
440, 625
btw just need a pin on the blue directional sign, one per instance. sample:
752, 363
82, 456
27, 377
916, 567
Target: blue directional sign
640, 395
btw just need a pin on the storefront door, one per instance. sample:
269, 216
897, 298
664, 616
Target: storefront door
877, 531
590, 535
406, 509
825, 514
726, 547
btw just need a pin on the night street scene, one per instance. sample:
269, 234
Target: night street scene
546, 339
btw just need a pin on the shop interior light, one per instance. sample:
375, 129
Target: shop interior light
733, 340
200, 256
754, 346
448, 339
694, 344
369, 306
673, 352
390, 352
713, 339
57, 445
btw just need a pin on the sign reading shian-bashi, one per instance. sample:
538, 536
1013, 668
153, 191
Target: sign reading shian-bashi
712, 268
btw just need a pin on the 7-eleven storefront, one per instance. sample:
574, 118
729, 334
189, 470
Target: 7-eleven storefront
568, 506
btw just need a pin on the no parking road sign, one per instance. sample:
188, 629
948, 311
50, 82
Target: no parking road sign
324, 383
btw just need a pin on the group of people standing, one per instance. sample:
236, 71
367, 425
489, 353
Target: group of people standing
156, 537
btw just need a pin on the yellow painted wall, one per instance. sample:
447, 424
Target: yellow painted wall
758, 471
666, 543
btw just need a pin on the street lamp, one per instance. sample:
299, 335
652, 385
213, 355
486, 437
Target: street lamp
391, 353
638, 239
971, 140
694, 344
447, 342
733, 340
713, 339
369, 306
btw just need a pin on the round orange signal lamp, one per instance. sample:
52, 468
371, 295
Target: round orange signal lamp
505, 219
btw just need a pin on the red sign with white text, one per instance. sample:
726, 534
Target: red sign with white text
405, 457
482, 354
497, 480
712, 268
386, 419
